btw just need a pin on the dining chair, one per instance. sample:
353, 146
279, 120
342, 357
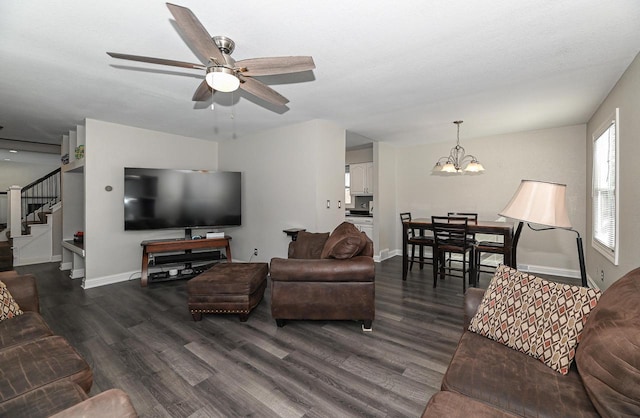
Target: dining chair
492, 247
473, 219
471, 216
451, 235
417, 239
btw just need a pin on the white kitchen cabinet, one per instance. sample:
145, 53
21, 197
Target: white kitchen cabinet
364, 224
361, 178
367, 229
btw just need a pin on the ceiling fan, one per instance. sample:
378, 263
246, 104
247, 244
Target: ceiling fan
223, 73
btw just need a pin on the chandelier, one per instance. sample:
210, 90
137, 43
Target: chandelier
457, 159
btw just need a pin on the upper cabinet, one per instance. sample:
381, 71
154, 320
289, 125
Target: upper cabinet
361, 178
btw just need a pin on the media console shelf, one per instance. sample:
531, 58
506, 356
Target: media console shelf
175, 245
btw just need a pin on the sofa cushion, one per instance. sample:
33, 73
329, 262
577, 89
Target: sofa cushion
8, 306
23, 328
37, 363
535, 316
44, 401
608, 356
108, 404
493, 373
454, 405
345, 241
308, 245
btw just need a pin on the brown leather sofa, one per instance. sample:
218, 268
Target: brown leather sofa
488, 379
326, 277
40, 373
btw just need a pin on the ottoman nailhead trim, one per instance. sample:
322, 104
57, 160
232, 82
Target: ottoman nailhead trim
219, 311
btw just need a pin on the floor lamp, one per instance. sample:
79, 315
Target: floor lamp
543, 203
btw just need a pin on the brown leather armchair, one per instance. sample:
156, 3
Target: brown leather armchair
325, 278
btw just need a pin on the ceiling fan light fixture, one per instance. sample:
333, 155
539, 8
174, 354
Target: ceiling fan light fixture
222, 79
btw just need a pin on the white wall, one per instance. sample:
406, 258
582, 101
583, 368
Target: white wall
111, 253
21, 174
288, 176
550, 155
625, 96
385, 210
360, 155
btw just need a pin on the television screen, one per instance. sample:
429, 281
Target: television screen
164, 198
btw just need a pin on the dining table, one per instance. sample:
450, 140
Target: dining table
504, 229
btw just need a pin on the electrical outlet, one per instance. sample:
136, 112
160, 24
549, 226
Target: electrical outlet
602, 275
255, 252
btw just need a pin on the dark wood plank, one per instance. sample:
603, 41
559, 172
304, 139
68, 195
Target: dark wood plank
144, 341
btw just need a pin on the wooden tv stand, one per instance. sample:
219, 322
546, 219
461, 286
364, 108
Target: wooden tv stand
173, 245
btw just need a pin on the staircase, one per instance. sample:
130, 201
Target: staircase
37, 199
35, 220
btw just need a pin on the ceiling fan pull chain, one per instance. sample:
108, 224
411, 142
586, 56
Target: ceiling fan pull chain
233, 114
233, 105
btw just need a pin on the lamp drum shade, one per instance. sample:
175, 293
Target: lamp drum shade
539, 202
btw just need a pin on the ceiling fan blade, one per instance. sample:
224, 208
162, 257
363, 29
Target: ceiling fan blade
195, 32
157, 61
262, 91
203, 92
275, 65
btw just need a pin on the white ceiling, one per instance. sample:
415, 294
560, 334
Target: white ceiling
391, 71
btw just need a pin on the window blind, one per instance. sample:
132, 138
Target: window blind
604, 188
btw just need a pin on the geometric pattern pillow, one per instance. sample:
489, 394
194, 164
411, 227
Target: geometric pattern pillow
8, 306
535, 316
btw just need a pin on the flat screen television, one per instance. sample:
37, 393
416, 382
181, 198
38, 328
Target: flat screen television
171, 199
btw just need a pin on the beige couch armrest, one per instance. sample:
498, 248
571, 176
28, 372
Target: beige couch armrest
108, 404
24, 291
472, 298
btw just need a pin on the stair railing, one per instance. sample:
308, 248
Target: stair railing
38, 196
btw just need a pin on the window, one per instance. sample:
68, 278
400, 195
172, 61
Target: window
605, 189
347, 186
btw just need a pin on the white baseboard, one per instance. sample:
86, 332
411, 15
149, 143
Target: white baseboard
66, 266
30, 261
114, 278
386, 254
553, 271
76, 273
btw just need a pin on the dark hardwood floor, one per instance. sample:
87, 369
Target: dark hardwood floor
144, 341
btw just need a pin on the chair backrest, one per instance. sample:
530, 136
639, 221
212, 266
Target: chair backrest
450, 230
404, 217
472, 217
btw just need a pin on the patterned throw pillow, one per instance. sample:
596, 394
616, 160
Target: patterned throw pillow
8, 306
535, 316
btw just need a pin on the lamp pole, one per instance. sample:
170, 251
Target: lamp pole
583, 269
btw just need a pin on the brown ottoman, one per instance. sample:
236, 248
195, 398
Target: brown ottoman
227, 288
